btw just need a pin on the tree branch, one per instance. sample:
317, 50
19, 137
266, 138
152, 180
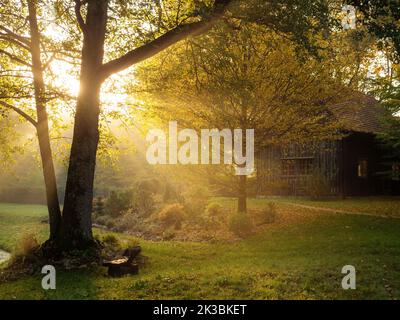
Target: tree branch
10, 39
47, 63
79, 18
20, 112
12, 57
22, 39
166, 40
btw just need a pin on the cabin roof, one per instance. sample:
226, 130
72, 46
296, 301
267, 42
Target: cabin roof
362, 113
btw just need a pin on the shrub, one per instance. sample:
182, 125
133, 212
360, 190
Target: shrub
143, 202
152, 185
26, 246
110, 224
196, 200
172, 215
129, 221
105, 221
168, 234
195, 208
118, 202
110, 239
99, 220
98, 206
240, 224
214, 210
269, 213
111, 246
170, 194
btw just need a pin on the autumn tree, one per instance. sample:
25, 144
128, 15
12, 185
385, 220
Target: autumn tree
156, 25
118, 34
244, 76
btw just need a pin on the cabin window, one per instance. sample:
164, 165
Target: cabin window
396, 171
300, 166
362, 169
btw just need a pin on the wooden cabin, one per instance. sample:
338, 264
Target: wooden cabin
355, 165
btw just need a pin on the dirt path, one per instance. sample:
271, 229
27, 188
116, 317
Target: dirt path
4, 256
340, 211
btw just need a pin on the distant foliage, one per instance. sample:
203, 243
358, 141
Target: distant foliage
195, 203
118, 202
171, 194
143, 203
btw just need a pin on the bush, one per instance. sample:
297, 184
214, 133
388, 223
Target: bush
144, 202
269, 213
152, 186
98, 206
105, 221
118, 202
129, 221
27, 245
110, 223
172, 215
196, 200
240, 224
214, 210
171, 194
110, 239
111, 246
195, 209
101, 220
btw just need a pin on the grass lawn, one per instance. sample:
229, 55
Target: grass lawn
385, 206
300, 257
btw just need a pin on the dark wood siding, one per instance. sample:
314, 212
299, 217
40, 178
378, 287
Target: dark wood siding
351, 167
322, 157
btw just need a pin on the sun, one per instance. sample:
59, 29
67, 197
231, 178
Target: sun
64, 78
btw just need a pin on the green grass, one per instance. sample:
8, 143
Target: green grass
385, 206
16, 220
300, 260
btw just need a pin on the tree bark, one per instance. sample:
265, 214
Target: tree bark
77, 221
76, 230
42, 126
242, 197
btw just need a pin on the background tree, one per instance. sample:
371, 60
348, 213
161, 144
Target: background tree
382, 19
23, 66
241, 75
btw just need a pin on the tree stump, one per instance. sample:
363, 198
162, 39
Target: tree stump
126, 265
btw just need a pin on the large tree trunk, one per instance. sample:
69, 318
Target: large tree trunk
77, 222
42, 127
242, 196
